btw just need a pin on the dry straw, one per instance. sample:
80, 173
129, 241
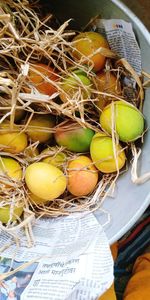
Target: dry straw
25, 40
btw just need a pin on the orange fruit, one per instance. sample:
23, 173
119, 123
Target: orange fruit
39, 75
82, 176
107, 83
86, 44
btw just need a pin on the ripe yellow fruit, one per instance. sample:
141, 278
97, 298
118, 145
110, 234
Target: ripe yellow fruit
36, 200
10, 167
57, 159
102, 154
10, 213
40, 128
12, 141
45, 181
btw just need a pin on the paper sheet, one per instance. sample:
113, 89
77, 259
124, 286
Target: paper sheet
76, 261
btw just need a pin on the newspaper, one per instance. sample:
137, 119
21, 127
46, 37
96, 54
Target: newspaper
72, 261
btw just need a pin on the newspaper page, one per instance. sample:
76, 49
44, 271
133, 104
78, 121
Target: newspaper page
121, 39
71, 260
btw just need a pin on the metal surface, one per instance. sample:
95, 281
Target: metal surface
134, 19
130, 200
141, 8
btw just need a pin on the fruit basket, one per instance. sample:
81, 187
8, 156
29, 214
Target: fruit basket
131, 200
118, 212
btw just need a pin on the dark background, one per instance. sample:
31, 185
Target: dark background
141, 8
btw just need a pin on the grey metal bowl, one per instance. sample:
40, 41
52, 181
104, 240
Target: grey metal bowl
131, 200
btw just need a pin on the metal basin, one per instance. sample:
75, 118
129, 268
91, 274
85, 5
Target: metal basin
131, 200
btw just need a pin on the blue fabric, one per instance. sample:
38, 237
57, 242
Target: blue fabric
131, 246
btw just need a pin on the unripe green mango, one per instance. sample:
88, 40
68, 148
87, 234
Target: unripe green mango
128, 120
74, 137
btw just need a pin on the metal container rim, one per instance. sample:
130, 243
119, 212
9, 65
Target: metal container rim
135, 19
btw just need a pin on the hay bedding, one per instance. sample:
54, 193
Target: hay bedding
26, 38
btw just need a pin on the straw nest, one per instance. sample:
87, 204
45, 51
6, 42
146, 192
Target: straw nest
26, 39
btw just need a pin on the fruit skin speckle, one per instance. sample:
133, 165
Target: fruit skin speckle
128, 120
